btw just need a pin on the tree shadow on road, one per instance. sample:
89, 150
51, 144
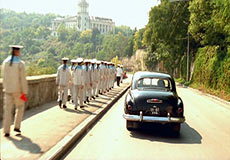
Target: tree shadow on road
24, 143
163, 133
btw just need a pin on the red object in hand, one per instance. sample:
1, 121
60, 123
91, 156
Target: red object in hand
23, 97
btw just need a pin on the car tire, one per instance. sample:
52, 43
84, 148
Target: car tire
176, 128
129, 125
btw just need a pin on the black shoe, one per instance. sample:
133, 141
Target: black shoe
85, 102
75, 108
93, 97
64, 106
69, 96
72, 101
97, 96
81, 106
17, 130
7, 135
87, 99
60, 102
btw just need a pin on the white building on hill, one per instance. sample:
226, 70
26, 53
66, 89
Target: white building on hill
83, 21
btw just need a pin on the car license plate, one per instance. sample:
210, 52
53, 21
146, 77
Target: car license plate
155, 110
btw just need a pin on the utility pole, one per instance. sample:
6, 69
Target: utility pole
188, 66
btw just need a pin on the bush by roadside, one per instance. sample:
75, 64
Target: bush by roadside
211, 72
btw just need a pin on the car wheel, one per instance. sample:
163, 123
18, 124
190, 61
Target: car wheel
129, 125
176, 128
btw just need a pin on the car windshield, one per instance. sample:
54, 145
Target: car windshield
154, 83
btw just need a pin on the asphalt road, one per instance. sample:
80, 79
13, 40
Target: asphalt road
204, 136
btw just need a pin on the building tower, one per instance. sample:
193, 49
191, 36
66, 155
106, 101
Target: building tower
83, 15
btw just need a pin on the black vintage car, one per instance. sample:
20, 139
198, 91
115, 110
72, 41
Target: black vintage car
153, 98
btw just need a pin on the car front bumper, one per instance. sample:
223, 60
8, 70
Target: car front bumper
141, 118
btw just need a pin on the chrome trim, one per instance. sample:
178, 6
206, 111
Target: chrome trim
141, 116
168, 116
153, 119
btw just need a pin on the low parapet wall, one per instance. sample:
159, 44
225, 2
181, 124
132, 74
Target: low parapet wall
42, 89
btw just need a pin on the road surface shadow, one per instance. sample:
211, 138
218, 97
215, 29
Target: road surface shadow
24, 143
79, 111
163, 133
96, 106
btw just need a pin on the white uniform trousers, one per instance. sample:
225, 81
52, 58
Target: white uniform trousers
87, 91
62, 94
104, 85
70, 89
78, 95
94, 88
75, 95
101, 85
11, 99
97, 88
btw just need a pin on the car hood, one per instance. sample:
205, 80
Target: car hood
141, 96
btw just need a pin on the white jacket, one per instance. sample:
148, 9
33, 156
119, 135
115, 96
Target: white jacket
87, 76
63, 76
14, 77
78, 76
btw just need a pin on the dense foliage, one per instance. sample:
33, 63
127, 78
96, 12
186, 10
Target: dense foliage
43, 52
210, 26
166, 34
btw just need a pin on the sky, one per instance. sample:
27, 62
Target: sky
132, 13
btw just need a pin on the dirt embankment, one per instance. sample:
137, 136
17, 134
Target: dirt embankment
136, 62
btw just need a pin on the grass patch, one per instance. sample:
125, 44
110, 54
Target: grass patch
219, 93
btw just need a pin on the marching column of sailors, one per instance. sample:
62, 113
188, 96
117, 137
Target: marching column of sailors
85, 79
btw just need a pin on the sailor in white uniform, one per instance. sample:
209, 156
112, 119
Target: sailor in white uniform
62, 80
15, 89
78, 83
98, 78
72, 68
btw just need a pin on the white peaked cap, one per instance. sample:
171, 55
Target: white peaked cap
65, 59
79, 60
87, 61
73, 61
98, 62
94, 61
15, 46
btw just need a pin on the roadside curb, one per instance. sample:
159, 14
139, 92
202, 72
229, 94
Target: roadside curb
206, 94
56, 152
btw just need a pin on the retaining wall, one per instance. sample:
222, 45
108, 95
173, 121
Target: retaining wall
42, 89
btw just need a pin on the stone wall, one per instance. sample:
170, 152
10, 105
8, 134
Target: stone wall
42, 89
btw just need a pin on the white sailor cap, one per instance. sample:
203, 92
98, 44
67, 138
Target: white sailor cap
65, 59
16, 46
79, 60
87, 61
93, 61
98, 62
73, 61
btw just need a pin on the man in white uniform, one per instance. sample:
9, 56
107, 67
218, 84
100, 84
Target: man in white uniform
88, 80
102, 77
119, 74
78, 83
94, 78
72, 68
98, 77
15, 89
62, 80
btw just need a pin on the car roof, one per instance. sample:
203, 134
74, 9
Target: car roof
144, 74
